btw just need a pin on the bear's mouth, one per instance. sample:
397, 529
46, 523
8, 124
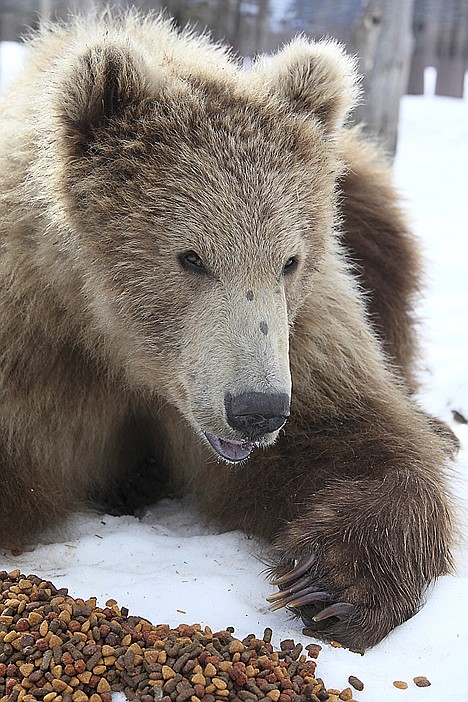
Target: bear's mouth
232, 451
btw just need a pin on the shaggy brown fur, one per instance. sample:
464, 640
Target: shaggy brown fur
384, 254
170, 268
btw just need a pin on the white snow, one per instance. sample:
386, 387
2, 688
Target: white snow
11, 59
168, 568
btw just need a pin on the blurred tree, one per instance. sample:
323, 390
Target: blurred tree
441, 41
382, 39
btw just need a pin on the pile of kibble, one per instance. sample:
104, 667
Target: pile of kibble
55, 648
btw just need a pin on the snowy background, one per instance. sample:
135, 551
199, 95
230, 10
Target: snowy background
167, 568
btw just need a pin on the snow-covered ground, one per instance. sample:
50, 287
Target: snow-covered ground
167, 568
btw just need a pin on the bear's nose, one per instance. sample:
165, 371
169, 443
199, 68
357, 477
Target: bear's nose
256, 413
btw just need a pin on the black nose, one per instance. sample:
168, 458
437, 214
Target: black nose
256, 413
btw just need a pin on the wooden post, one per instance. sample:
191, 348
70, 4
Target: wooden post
46, 8
382, 38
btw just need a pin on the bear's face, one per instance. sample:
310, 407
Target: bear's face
202, 214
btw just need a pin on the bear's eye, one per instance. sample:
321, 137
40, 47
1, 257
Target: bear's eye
191, 260
290, 265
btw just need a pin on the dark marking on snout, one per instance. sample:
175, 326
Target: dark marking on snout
249, 295
256, 413
264, 328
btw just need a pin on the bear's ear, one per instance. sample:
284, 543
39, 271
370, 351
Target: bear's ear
312, 79
101, 83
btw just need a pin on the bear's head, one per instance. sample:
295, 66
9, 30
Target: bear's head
200, 208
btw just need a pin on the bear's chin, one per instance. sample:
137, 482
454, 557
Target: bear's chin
230, 451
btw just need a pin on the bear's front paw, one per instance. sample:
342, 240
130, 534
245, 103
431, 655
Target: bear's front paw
347, 607
356, 564
319, 609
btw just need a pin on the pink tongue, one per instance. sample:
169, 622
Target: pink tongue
233, 451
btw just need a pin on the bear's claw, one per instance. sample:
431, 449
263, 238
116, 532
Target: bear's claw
292, 590
300, 569
342, 610
308, 595
300, 593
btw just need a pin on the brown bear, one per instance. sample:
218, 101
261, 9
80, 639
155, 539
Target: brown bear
202, 264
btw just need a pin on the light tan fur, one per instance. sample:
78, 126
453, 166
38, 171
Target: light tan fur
126, 147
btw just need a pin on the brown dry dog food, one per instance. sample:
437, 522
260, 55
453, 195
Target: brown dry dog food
55, 648
400, 684
356, 683
421, 681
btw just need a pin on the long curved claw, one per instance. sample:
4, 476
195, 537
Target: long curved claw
297, 587
307, 596
339, 609
300, 569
